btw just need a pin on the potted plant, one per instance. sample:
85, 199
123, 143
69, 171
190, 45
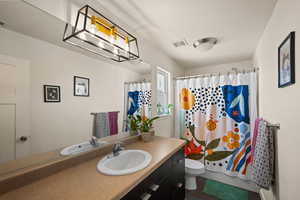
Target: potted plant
146, 127
134, 122
170, 108
159, 108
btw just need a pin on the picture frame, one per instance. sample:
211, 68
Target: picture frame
286, 61
81, 86
52, 94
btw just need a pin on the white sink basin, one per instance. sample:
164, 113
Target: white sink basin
79, 148
127, 162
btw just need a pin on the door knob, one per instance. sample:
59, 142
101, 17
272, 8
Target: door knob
23, 138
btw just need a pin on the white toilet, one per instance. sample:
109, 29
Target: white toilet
193, 168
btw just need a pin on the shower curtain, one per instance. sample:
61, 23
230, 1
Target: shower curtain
137, 100
216, 115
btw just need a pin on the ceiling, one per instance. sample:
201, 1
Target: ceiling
238, 25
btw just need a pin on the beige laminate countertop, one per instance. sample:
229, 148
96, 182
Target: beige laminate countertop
83, 182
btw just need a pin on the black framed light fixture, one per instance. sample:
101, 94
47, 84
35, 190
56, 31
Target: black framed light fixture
96, 33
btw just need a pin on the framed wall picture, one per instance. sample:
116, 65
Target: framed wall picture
286, 61
81, 86
51, 93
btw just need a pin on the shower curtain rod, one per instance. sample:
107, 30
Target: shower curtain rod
233, 70
94, 113
143, 81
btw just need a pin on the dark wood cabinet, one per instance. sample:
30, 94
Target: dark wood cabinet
167, 182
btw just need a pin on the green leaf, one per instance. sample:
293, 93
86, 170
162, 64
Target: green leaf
213, 144
218, 155
195, 156
139, 118
186, 140
151, 120
170, 106
202, 142
192, 129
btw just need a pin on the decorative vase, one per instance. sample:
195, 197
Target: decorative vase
152, 131
133, 132
147, 136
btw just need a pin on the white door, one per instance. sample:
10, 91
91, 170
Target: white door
14, 108
7, 133
8, 87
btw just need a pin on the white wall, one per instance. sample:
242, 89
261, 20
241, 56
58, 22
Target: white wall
165, 125
148, 52
245, 64
59, 124
282, 105
151, 54
157, 58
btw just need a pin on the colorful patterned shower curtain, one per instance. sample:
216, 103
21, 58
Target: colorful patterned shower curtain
215, 115
137, 100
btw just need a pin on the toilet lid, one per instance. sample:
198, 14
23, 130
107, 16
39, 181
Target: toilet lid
193, 164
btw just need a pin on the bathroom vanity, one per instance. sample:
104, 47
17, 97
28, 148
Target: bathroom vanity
166, 182
163, 178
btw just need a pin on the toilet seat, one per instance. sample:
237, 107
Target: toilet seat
193, 167
193, 164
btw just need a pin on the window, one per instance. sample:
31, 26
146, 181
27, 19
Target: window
163, 95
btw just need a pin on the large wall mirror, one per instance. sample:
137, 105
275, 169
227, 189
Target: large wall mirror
54, 96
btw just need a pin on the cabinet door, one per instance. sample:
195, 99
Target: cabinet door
154, 185
165, 183
135, 194
178, 193
178, 177
163, 192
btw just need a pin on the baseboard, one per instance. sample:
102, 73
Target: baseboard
266, 194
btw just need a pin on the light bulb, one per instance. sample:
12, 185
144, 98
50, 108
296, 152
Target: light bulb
126, 48
93, 29
101, 44
112, 40
116, 51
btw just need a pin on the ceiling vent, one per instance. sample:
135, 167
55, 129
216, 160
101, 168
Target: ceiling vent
205, 44
180, 43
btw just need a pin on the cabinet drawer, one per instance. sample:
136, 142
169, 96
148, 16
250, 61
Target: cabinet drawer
165, 183
163, 192
148, 185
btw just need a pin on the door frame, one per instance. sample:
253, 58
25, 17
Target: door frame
22, 102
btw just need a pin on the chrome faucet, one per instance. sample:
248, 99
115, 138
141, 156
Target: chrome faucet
117, 148
94, 141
